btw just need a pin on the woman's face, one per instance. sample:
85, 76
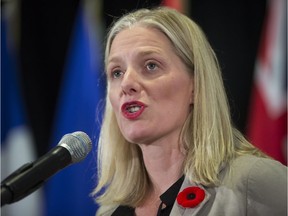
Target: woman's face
149, 87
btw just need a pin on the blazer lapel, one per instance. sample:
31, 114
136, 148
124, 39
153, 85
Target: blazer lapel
178, 210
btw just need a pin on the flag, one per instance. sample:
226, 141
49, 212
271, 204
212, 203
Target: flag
267, 124
176, 4
82, 90
17, 146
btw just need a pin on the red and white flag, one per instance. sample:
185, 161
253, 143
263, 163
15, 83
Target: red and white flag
267, 125
176, 4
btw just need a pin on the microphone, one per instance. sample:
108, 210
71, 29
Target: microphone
72, 148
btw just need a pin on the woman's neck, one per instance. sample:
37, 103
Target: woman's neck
164, 164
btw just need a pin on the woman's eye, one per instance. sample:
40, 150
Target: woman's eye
116, 74
151, 66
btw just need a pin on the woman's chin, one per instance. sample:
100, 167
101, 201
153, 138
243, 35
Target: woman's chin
137, 137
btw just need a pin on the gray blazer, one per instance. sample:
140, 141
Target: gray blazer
253, 187
250, 186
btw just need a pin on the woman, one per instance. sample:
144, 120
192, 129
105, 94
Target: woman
167, 144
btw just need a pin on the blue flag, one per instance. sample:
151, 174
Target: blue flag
81, 95
17, 145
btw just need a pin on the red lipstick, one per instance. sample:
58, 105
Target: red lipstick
132, 110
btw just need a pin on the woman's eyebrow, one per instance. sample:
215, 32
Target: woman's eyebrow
141, 52
144, 52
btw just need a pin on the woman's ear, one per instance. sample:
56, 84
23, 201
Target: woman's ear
192, 97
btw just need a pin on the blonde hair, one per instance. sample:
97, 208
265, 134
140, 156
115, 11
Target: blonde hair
207, 135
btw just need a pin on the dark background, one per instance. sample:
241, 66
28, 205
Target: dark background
233, 28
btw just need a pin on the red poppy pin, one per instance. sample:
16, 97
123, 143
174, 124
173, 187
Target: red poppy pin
191, 197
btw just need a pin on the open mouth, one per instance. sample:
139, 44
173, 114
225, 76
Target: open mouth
133, 110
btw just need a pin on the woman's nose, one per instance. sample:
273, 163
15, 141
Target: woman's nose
130, 82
